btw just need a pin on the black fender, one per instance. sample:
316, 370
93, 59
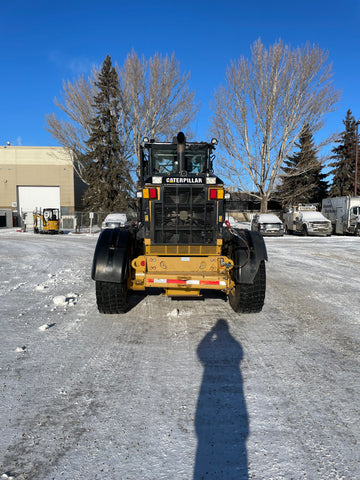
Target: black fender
248, 250
112, 256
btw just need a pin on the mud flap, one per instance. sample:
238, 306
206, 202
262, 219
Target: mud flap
248, 250
112, 256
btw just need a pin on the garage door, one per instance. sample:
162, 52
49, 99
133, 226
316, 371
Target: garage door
30, 198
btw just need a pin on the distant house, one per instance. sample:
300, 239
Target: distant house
245, 202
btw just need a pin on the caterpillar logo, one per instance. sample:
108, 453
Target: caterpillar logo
184, 180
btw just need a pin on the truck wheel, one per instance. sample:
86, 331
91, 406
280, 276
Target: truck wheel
111, 297
249, 298
304, 231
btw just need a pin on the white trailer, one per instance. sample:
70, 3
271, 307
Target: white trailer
344, 214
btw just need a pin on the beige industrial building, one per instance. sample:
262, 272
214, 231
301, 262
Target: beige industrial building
32, 177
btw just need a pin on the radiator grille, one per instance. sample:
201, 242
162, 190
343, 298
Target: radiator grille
184, 217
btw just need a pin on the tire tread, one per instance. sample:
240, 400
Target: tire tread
111, 297
249, 298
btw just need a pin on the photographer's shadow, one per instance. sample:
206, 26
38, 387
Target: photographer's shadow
221, 420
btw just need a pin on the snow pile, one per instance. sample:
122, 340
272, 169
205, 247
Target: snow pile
20, 349
46, 326
63, 301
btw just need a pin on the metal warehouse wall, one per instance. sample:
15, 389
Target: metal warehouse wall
35, 166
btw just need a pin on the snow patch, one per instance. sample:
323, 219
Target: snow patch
60, 300
41, 288
177, 313
66, 300
46, 326
20, 349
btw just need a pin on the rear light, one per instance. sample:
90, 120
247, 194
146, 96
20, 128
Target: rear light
216, 194
150, 193
213, 194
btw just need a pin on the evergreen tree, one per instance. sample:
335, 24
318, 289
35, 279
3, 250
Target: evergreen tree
107, 171
302, 180
344, 155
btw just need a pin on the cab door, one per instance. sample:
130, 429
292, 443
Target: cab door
354, 217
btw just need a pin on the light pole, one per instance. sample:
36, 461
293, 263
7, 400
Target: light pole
356, 155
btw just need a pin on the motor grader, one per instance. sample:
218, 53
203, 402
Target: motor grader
182, 242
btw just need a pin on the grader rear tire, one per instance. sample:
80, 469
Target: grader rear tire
249, 298
111, 297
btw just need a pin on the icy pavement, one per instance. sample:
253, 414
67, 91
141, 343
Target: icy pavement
179, 389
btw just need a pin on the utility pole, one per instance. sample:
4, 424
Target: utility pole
356, 156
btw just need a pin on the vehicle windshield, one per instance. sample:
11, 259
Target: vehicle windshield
51, 214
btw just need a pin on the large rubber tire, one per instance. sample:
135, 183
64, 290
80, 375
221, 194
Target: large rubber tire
249, 298
111, 297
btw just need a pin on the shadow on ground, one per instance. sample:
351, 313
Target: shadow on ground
221, 420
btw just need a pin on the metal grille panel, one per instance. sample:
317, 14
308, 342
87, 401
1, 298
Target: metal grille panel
184, 217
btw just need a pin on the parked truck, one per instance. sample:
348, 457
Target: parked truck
344, 214
182, 242
306, 220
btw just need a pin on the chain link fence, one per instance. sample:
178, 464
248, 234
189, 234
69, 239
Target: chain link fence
86, 221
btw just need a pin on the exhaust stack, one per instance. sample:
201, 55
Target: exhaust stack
181, 140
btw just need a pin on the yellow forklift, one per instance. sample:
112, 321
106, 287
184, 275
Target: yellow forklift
47, 220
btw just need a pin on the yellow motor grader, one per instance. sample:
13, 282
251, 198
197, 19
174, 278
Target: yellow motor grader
181, 242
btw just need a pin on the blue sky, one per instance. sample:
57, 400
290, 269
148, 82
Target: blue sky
44, 42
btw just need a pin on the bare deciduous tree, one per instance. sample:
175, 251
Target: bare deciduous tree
155, 97
260, 111
155, 101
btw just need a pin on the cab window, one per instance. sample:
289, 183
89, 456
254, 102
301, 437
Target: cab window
195, 161
165, 162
